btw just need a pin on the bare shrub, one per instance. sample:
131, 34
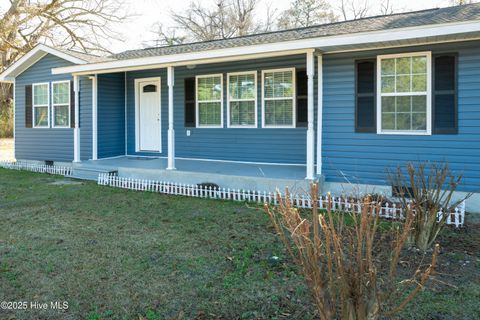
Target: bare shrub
427, 188
339, 258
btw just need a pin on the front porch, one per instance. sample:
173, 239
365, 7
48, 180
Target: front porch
226, 174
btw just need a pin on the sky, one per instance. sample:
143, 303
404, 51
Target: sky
137, 30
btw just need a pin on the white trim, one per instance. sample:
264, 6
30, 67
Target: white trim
94, 117
126, 113
319, 113
197, 118
76, 130
311, 115
31, 57
41, 105
255, 99
60, 104
109, 158
171, 131
137, 112
323, 43
428, 92
293, 98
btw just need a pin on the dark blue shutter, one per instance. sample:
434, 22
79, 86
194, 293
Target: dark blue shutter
28, 106
365, 96
190, 112
302, 98
444, 100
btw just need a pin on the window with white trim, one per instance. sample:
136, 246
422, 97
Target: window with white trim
40, 105
278, 104
209, 101
242, 100
61, 104
404, 93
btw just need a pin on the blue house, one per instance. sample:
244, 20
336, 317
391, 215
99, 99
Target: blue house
339, 102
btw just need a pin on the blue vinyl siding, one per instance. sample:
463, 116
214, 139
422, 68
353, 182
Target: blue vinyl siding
40, 143
85, 118
363, 158
252, 145
111, 115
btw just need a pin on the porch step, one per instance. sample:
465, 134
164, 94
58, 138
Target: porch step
86, 173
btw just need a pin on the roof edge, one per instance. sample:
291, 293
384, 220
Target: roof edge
31, 57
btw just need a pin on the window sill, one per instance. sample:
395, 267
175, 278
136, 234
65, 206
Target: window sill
405, 133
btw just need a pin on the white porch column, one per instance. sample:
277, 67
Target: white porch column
94, 118
311, 115
171, 132
76, 129
319, 114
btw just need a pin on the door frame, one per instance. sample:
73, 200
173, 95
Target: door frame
137, 112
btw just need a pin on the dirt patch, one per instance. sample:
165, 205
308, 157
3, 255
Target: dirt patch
6, 149
65, 183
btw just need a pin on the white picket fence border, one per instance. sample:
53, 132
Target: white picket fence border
40, 168
388, 210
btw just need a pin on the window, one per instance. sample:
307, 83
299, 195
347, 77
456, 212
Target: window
210, 101
404, 93
40, 105
278, 108
61, 104
242, 100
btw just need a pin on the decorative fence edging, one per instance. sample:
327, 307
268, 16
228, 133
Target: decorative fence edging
40, 168
389, 210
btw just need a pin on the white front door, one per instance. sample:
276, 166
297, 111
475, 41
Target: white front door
149, 135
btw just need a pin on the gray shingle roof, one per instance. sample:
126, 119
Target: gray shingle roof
401, 20
89, 58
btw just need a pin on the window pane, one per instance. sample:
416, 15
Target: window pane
278, 84
209, 113
403, 83
388, 121
279, 112
60, 93
403, 65
209, 88
419, 104
403, 121
388, 104
388, 67
61, 116
242, 113
404, 103
242, 86
419, 83
419, 65
40, 94
419, 121
388, 84
41, 116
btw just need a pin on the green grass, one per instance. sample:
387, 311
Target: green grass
115, 254
118, 254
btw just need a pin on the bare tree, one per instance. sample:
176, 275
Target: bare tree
83, 25
224, 19
354, 9
304, 13
461, 2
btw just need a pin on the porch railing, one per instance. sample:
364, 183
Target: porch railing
388, 210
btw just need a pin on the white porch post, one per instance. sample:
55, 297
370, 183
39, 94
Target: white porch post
310, 127
319, 114
171, 132
76, 130
94, 118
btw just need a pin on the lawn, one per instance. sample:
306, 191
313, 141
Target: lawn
117, 254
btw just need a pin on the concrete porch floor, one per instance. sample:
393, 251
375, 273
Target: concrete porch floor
261, 177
